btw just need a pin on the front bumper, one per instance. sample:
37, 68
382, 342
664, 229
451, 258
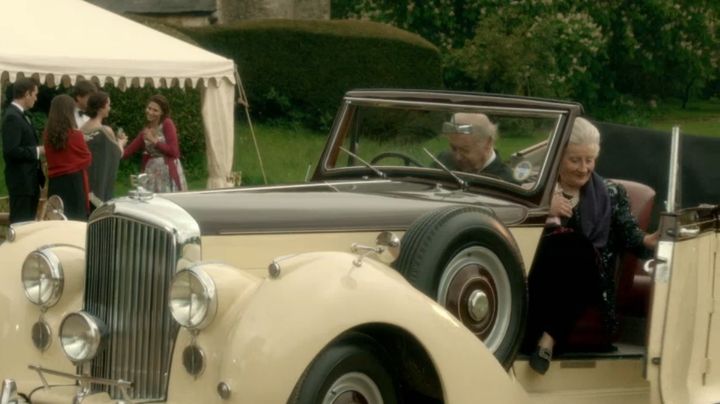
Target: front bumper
8, 392
76, 392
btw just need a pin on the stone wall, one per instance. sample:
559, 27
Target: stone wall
237, 10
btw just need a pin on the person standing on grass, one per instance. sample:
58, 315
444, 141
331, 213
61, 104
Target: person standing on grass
68, 158
161, 152
23, 174
106, 148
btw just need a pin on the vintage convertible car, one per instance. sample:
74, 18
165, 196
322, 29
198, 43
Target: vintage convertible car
387, 278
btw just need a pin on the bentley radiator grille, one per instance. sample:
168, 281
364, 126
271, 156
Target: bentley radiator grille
129, 268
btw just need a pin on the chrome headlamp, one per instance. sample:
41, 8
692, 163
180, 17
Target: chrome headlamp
81, 335
193, 298
42, 278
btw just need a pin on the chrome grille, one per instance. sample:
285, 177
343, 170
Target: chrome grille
129, 268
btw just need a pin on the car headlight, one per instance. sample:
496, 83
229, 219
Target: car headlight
42, 278
193, 299
81, 335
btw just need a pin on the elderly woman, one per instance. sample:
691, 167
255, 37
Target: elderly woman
589, 225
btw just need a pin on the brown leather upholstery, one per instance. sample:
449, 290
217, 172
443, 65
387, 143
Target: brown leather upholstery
633, 285
633, 282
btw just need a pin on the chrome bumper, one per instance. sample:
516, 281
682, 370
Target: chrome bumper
8, 392
81, 387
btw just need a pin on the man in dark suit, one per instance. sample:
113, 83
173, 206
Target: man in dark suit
472, 146
23, 175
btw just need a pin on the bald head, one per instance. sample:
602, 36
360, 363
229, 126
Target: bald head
472, 138
479, 124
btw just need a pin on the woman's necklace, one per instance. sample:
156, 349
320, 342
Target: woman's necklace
572, 198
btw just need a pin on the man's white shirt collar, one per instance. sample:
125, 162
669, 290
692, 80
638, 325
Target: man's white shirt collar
489, 161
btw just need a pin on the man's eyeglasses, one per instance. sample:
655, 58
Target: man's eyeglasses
449, 128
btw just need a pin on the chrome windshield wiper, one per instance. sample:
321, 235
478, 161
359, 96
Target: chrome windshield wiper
463, 183
368, 165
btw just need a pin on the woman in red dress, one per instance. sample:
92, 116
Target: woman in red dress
68, 158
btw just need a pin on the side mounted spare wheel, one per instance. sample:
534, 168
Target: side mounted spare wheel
468, 261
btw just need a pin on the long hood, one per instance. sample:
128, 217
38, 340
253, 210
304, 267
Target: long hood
328, 207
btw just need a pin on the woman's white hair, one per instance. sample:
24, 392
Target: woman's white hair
585, 134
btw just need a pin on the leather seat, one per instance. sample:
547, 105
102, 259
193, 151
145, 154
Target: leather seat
633, 284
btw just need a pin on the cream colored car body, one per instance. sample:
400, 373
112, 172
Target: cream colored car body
266, 331
288, 282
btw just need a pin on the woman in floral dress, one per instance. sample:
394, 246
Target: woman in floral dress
161, 152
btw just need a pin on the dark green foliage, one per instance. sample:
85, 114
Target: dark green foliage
601, 53
299, 70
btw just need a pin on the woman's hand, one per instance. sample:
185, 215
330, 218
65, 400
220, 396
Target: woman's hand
560, 206
650, 240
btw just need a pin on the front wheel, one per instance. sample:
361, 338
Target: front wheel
350, 371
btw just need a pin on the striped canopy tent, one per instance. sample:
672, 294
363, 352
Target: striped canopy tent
62, 40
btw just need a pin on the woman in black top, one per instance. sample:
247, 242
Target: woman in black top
589, 224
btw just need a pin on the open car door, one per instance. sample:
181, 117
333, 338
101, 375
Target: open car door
683, 357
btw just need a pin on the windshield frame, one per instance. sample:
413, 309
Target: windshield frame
560, 112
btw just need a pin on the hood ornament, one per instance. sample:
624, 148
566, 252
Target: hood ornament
140, 192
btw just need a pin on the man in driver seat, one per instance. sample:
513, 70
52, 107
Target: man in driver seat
472, 146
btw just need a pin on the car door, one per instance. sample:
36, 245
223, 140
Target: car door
683, 358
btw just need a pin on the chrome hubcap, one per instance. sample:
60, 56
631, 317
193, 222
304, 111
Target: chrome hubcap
353, 388
478, 305
476, 289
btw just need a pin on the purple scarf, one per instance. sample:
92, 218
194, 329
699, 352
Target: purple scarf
595, 211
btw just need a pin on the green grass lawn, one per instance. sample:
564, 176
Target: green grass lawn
699, 118
290, 154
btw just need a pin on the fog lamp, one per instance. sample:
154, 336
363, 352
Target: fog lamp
81, 335
193, 298
42, 278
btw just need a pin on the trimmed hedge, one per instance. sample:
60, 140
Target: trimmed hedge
299, 70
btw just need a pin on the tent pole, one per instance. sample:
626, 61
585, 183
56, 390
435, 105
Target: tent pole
243, 100
2, 94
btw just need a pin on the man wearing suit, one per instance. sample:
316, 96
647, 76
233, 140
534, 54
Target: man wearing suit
472, 146
23, 175
81, 92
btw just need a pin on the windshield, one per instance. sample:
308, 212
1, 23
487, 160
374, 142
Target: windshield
495, 144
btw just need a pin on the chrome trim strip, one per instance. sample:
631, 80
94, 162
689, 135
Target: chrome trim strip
674, 176
158, 212
541, 112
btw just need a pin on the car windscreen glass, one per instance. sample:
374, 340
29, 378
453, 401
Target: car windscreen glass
495, 144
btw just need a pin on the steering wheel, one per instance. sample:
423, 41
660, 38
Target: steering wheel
407, 160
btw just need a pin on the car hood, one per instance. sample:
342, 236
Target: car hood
329, 207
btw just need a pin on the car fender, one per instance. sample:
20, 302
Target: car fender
275, 327
67, 240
